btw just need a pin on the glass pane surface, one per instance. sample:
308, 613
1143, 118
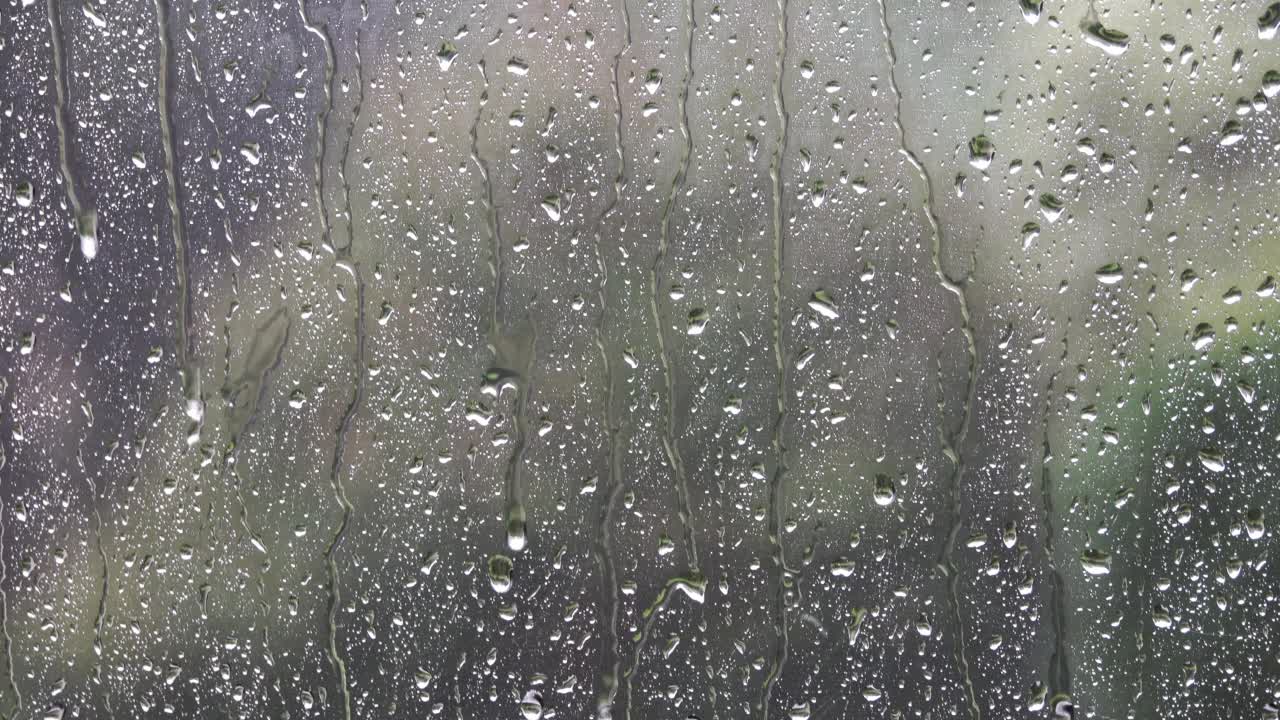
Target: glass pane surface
639, 359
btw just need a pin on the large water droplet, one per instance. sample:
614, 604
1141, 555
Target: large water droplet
1095, 562
1111, 42
87, 229
500, 573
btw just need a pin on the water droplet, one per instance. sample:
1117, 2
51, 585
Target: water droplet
818, 195
446, 54
500, 567
1111, 42
1232, 133
1109, 274
1051, 207
551, 206
698, 318
1269, 23
87, 229
981, 152
517, 538
23, 194
531, 705
1095, 562
1202, 337
1031, 10
1271, 83
801, 711
1255, 526
821, 303
885, 491
516, 66
1212, 460
257, 105
653, 81
1030, 231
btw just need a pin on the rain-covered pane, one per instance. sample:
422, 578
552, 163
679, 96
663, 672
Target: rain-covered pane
639, 359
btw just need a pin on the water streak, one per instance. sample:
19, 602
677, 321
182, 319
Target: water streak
669, 443
61, 101
343, 162
492, 221
694, 587
344, 260
105, 586
182, 320
1059, 666
952, 443
612, 486
339, 488
4, 603
517, 523
777, 488
322, 122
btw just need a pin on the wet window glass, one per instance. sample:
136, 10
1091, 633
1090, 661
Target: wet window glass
639, 359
